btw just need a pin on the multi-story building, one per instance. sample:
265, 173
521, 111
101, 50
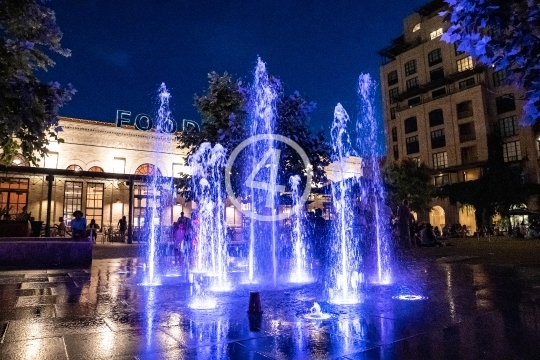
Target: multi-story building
440, 107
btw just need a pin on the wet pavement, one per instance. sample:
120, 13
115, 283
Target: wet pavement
470, 310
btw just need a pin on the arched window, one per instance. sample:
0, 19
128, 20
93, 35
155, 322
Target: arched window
147, 169
96, 169
74, 167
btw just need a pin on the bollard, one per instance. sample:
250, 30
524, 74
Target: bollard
254, 306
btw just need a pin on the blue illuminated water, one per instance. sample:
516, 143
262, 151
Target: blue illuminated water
300, 269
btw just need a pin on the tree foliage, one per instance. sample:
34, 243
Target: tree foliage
28, 108
408, 180
224, 110
503, 34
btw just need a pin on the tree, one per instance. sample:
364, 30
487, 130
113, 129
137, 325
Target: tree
224, 114
28, 108
503, 34
408, 180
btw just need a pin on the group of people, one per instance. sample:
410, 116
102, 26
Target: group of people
411, 235
81, 230
184, 236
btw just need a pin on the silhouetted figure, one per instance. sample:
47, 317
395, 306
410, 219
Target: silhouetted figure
404, 223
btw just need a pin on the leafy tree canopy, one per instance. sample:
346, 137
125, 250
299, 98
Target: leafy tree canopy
224, 110
407, 180
28, 108
504, 34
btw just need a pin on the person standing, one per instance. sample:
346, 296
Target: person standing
78, 225
93, 227
122, 227
404, 223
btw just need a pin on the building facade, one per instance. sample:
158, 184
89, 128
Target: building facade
440, 108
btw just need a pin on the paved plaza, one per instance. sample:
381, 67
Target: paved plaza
473, 308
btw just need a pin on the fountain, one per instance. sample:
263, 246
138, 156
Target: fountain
299, 270
368, 148
262, 180
344, 258
211, 256
315, 313
157, 190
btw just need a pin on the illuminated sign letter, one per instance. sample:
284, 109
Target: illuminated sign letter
168, 126
143, 122
190, 124
122, 117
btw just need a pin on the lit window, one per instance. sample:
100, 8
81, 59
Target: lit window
464, 64
435, 34
410, 67
416, 161
147, 169
509, 126
511, 151
440, 160
442, 180
74, 167
119, 165
96, 169
416, 27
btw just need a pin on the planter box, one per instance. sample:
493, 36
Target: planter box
9, 228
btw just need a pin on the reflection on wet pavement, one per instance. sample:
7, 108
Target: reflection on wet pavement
470, 311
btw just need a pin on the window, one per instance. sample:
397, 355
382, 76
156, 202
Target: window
438, 93
512, 151
468, 155
119, 165
436, 75
51, 160
440, 160
392, 94
412, 83
74, 168
94, 203
416, 27
436, 117
144, 199
499, 77
435, 34
410, 67
438, 140
434, 57
13, 195
505, 103
392, 78
466, 132
416, 161
392, 113
72, 199
508, 126
394, 134
396, 152
412, 145
464, 109
464, 64
441, 180
411, 125
179, 169
414, 101
147, 169
538, 147
466, 83
96, 169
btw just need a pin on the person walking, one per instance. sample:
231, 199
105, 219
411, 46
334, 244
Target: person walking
122, 227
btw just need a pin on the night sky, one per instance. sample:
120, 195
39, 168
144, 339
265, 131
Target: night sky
123, 49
